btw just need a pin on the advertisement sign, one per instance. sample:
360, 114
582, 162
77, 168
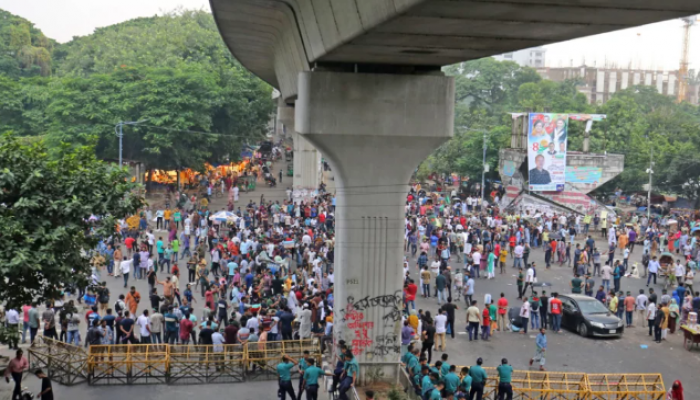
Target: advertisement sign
592, 175
546, 151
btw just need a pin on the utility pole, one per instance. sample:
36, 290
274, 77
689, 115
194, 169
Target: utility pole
483, 170
120, 134
651, 173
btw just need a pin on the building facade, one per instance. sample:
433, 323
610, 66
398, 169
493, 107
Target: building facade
600, 84
533, 57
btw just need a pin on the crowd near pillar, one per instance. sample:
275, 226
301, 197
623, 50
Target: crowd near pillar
374, 130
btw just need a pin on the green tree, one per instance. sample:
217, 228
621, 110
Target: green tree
44, 212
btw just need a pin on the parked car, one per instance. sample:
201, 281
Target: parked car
589, 317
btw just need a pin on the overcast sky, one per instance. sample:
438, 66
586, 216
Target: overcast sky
656, 46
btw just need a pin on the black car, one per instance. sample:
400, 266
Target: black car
589, 317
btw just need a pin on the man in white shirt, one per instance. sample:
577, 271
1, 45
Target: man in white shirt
517, 255
653, 270
12, 318
476, 257
440, 331
144, 327
125, 267
253, 323
529, 277
434, 271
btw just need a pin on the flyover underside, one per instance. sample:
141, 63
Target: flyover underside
277, 39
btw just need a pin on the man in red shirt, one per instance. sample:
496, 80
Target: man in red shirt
410, 292
555, 312
129, 242
186, 327
502, 313
486, 324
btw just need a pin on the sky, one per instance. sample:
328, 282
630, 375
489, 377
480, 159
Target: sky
655, 46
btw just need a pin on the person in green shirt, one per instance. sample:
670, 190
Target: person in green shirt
284, 369
576, 284
493, 310
436, 368
505, 373
436, 393
520, 282
445, 368
465, 382
478, 379
451, 382
310, 379
175, 244
349, 376
427, 384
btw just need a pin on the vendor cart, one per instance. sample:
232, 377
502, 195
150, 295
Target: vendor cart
691, 336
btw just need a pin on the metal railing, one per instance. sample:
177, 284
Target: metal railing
62, 362
127, 364
182, 364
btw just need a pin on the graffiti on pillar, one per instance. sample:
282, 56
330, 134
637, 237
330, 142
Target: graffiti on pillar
386, 344
354, 319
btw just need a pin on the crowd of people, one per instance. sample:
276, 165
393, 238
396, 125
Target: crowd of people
267, 274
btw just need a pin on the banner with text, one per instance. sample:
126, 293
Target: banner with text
546, 151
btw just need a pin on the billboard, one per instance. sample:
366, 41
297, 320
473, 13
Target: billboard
546, 151
591, 175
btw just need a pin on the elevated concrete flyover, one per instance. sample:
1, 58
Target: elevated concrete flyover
277, 39
364, 79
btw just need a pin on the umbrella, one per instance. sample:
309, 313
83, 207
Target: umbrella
222, 216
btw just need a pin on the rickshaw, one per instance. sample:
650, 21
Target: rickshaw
290, 169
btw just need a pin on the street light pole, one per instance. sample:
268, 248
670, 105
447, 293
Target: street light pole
483, 170
650, 171
120, 134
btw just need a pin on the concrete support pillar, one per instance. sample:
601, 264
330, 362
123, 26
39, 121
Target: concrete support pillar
374, 130
305, 154
305, 163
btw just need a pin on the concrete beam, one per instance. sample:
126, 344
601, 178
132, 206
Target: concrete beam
373, 130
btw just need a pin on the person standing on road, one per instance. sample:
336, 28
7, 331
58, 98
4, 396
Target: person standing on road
640, 305
285, 377
555, 308
479, 377
525, 314
15, 368
450, 313
541, 347
502, 313
653, 270
505, 374
473, 319
629, 303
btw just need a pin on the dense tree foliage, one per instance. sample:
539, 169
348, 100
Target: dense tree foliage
24, 50
640, 121
174, 71
45, 206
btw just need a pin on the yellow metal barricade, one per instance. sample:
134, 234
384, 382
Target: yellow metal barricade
62, 362
128, 364
627, 386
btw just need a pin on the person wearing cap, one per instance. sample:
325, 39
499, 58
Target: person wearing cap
505, 373
479, 378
